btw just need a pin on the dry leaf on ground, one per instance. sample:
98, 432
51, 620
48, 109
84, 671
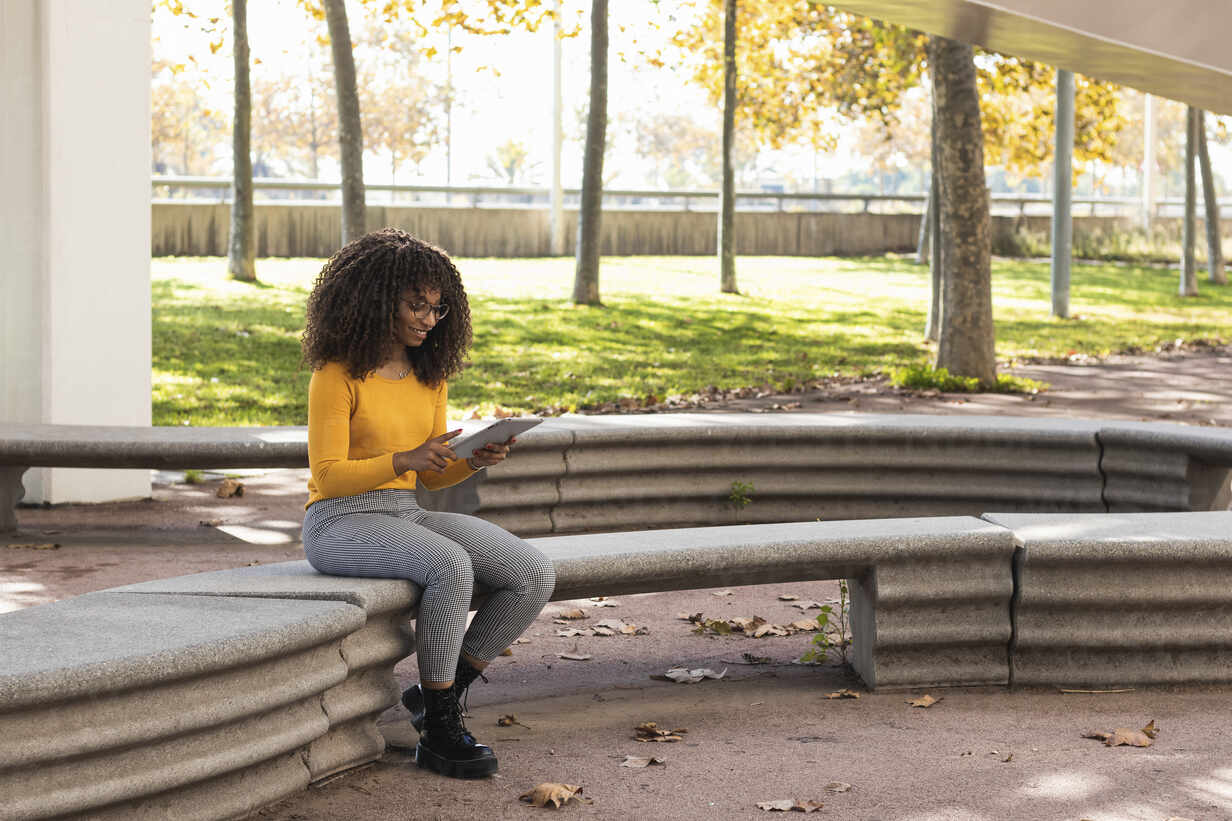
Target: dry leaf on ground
34, 545
572, 613
509, 721
689, 617
1150, 730
620, 626
838, 786
210, 522
804, 625
808, 605
651, 731
687, 676
923, 701
843, 694
522, 640
575, 656
554, 794
229, 488
508, 651
603, 601
722, 593
789, 805
570, 632
788, 597
638, 762
1121, 737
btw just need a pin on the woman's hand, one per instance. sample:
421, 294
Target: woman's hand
490, 454
432, 455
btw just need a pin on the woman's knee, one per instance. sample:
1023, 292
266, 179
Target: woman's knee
451, 566
540, 577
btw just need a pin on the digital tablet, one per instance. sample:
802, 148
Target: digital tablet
496, 432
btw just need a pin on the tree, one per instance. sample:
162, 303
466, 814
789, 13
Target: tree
241, 251
727, 198
965, 346
586, 274
350, 128
1189, 277
1214, 250
508, 161
183, 130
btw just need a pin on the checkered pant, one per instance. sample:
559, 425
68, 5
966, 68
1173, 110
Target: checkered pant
386, 534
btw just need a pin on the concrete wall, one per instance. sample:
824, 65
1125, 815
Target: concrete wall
313, 230
74, 217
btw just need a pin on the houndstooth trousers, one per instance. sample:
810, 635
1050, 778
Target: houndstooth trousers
386, 534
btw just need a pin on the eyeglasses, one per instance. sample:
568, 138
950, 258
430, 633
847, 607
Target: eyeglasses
422, 309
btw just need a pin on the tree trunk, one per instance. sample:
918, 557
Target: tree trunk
586, 274
350, 128
921, 244
1062, 194
966, 346
727, 203
1214, 246
1189, 274
932, 330
241, 252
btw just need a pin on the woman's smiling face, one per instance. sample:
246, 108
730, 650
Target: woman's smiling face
410, 328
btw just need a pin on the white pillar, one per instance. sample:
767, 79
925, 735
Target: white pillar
75, 226
558, 195
1148, 161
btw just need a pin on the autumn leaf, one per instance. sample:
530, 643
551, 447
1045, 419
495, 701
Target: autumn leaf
843, 694
1121, 737
229, 488
788, 597
575, 656
1150, 730
638, 762
789, 805
722, 593
509, 721
807, 605
687, 676
804, 625
603, 601
923, 701
838, 786
651, 731
619, 626
573, 614
570, 632
554, 794
34, 545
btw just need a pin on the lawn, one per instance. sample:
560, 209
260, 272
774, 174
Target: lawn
227, 353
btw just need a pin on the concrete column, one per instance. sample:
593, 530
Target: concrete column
558, 194
1148, 161
1062, 194
75, 225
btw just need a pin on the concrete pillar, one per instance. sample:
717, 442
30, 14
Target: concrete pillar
75, 226
1062, 194
558, 194
1149, 122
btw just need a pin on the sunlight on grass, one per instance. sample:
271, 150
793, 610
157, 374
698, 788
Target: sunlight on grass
227, 353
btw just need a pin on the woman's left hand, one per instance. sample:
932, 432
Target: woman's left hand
491, 454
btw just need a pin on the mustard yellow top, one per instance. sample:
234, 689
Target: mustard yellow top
356, 425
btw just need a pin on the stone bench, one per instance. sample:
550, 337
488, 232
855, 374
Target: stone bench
207, 696
596, 474
210, 695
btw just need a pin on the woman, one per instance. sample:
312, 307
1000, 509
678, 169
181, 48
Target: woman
388, 323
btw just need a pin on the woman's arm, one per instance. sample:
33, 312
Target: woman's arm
457, 469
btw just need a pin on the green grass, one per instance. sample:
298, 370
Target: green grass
226, 353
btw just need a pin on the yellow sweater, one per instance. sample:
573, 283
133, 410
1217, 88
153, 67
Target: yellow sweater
356, 425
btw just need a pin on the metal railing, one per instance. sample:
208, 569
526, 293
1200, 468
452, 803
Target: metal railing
308, 192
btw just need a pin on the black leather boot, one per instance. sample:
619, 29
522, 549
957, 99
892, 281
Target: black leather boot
413, 698
445, 746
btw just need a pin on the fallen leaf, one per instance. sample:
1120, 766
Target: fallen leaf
618, 626
1008, 759
570, 632
34, 545
788, 597
521, 641
575, 656
804, 625
573, 614
838, 786
843, 694
229, 488
721, 593
210, 522
749, 658
789, 805
808, 605
554, 794
1150, 730
1121, 737
638, 762
923, 701
603, 601
770, 630
604, 631
687, 676
651, 731
509, 721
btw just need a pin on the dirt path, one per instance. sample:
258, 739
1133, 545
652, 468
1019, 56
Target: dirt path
765, 731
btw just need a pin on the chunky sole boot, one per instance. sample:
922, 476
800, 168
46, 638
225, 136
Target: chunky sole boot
444, 744
413, 698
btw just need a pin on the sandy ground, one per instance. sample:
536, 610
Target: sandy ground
763, 732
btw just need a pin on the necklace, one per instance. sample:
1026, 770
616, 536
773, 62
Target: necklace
402, 373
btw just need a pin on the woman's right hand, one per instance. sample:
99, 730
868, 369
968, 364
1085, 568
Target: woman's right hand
433, 455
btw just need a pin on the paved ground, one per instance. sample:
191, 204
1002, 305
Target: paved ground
762, 733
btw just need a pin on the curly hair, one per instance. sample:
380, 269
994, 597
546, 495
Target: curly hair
353, 305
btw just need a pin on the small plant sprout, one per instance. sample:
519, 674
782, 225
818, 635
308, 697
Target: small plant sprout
740, 494
833, 629
192, 476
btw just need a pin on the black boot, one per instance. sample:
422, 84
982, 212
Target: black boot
413, 698
445, 746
